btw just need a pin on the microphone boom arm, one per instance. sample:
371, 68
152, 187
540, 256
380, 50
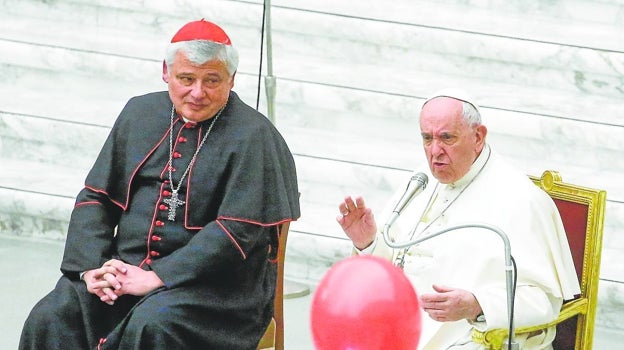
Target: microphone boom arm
508, 262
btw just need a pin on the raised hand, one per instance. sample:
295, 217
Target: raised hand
357, 221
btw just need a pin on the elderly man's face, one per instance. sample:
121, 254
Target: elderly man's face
198, 91
451, 145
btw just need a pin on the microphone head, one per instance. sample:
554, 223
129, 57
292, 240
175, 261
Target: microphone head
416, 185
422, 178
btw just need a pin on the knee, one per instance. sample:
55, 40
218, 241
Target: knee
49, 311
47, 323
60, 305
55, 322
150, 319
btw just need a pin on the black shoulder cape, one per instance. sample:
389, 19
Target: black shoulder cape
244, 172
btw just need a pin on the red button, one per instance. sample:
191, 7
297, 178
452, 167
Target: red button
182, 139
163, 207
177, 154
148, 261
159, 223
154, 253
190, 125
156, 238
172, 169
166, 193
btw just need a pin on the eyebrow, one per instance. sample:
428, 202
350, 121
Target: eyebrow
444, 133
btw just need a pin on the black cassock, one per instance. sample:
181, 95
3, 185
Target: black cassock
217, 259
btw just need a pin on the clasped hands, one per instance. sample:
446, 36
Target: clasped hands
445, 304
116, 278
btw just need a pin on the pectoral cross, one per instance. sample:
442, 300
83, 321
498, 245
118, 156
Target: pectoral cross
173, 202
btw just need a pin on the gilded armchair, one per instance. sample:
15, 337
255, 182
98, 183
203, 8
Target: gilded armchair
582, 212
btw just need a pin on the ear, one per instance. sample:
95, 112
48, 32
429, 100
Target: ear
232, 80
165, 74
480, 134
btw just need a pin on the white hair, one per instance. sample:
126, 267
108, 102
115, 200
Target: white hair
202, 51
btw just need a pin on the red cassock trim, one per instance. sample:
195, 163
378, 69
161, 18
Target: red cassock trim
232, 239
87, 203
188, 182
218, 221
263, 224
140, 165
98, 190
124, 205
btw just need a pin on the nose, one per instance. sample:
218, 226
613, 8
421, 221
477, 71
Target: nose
436, 147
197, 90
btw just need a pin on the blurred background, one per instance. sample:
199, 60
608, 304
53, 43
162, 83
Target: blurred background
349, 81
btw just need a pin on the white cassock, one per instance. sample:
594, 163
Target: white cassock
473, 259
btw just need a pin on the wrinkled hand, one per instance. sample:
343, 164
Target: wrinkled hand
103, 281
357, 221
136, 281
450, 304
116, 278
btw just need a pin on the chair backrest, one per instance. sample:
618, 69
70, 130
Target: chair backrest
274, 336
582, 212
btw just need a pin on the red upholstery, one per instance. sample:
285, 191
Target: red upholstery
574, 217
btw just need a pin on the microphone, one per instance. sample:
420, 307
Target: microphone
417, 184
510, 269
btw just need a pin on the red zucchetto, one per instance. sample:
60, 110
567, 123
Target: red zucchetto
201, 30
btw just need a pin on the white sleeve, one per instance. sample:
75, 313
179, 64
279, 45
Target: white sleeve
532, 306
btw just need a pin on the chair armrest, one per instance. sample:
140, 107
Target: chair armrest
493, 339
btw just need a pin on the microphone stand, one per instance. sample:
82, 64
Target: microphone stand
510, 343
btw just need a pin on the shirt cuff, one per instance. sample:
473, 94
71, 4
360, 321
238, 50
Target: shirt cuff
368, 250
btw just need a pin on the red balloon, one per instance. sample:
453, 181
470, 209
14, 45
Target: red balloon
365, 303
